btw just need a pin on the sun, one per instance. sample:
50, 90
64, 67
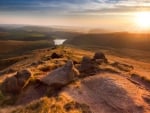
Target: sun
142, 19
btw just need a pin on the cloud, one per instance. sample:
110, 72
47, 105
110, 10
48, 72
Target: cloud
116, 9
74, 7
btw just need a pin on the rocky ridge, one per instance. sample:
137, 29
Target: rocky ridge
93, 79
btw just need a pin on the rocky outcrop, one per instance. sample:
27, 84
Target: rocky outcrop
122, 66
110, 93
10, 85
99, 57
62, 75
88, 66
15, 83
22, 77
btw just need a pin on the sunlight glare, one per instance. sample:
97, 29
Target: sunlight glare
142, 19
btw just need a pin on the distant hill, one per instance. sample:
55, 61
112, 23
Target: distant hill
114, 40
97, 31
34, 33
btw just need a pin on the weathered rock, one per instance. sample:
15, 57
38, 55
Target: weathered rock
22, 77
15, 83
62, 75
10, 85
122, 66
99, 57
55, 55
88, 66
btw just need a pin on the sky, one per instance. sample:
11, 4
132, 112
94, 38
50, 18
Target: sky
106, 14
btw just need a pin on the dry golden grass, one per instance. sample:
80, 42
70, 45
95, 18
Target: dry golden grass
44, 68
53, 105
63, 105
10, 45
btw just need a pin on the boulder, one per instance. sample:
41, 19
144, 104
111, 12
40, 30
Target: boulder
10, 85
88, 66
99, 57
22, 76
15, 83
62, 75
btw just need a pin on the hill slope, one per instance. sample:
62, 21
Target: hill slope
79, 81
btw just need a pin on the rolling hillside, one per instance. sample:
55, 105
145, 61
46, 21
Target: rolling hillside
71, 80
113, 40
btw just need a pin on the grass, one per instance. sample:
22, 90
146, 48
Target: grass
37, 73
1, 95
41, 106
6, 100
16, 48
7, 62
47, 67
71, 106
53, 105
145, 79
44, 68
